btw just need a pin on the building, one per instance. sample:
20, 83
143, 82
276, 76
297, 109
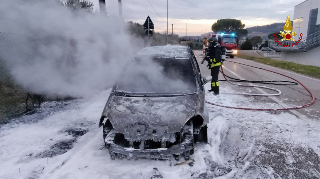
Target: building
306, 21
306, 18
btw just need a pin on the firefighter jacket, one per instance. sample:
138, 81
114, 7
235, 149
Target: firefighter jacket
213, 56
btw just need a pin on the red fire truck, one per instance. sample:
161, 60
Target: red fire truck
230, 41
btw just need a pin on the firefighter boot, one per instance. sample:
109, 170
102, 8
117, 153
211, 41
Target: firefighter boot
215, 88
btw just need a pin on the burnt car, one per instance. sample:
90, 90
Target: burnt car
157, 109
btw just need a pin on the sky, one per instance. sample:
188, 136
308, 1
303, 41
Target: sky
204, 12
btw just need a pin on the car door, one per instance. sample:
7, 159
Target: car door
201, 96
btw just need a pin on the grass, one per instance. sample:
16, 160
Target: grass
12, 101
312, 71
12, 98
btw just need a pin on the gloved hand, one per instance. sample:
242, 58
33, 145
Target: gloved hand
204, 59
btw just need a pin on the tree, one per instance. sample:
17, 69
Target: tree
265, 44
242, 32
247, 45
79, 4
256, 40
190, 44
271, 36
230, 25
136, 29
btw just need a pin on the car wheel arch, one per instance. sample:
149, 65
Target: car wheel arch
107, 126
199, 124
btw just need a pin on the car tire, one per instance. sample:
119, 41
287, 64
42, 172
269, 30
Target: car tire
203, 135
231, 56
105, 132
104, 136
188, 133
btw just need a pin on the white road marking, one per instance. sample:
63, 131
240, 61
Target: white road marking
301, 116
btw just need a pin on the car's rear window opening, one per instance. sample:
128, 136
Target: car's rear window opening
164, 76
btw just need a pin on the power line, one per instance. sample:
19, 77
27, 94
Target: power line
155, 10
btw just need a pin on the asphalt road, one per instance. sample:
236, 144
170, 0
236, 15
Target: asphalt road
291, 95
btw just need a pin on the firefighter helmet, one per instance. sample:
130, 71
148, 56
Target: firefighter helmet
213, 41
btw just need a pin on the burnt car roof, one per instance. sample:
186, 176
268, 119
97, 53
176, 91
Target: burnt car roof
168, 51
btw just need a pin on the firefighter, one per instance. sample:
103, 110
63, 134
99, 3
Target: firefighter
205, 44
214, 58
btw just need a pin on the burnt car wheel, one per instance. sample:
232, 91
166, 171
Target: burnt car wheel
107, 130
202, 136
188, 137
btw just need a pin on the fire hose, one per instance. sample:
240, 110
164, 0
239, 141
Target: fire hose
255, 86
264, 82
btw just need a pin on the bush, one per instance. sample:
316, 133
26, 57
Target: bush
190, 44
256, 40
265, 44
79, 4
195, 45
247, 45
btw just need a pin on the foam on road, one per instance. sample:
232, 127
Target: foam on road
62, 140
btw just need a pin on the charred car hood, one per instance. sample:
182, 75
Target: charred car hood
169, 112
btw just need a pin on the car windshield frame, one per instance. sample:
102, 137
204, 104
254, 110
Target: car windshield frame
144, 94
124, 92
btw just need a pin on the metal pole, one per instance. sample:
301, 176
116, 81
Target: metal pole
187, 28
148, 28
102, 5
120, 7
172, 29
167, 19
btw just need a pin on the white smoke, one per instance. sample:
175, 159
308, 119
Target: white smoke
55, 51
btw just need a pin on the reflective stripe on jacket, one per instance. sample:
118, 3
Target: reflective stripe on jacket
213, 63
214, 84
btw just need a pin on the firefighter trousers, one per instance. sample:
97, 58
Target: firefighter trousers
214, 81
